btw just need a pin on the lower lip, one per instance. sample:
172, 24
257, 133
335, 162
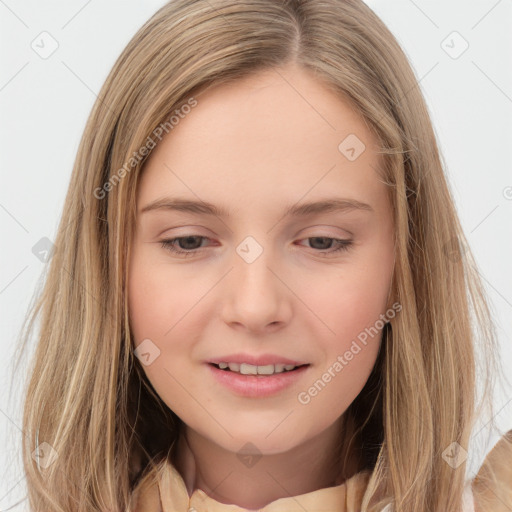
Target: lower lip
258, 386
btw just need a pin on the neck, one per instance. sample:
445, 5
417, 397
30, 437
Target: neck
313, 465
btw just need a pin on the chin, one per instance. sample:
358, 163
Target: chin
261, 441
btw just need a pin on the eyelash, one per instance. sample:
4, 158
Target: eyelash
169, 245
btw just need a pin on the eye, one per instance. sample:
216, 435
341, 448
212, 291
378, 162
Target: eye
189, 240
191, 244
340, 245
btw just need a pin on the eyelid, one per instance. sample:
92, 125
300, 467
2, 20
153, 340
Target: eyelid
320, 227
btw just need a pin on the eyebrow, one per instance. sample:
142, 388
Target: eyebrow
334, 204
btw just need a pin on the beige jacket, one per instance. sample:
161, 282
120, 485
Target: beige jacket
165, 491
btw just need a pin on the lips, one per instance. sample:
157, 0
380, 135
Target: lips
257, 386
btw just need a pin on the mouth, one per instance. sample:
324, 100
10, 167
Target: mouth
258, 371
251, 381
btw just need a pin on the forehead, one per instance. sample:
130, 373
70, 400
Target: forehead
273, 135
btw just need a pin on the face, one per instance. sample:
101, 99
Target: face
252, 280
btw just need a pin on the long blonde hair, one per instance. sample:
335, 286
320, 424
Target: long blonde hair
88, 397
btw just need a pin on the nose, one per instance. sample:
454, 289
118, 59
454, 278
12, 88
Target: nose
256, 296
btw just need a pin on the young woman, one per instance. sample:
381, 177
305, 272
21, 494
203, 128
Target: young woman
261, 297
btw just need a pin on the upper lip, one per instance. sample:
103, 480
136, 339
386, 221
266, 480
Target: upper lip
261, 360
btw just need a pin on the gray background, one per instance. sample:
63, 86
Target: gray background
45, 102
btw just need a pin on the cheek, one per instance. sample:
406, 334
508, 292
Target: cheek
147, 303
349, 337
348, 303
158, 299
158, 306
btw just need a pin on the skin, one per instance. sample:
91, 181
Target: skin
254, 147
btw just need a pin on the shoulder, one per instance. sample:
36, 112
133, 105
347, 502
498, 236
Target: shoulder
492, 486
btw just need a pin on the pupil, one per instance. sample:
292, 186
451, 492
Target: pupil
326, 244
187, 240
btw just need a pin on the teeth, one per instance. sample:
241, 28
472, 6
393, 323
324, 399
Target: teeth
234, 367
250, 369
